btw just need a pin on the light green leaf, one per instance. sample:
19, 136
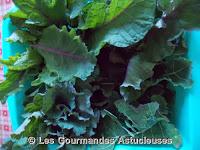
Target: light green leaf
28, 59
10, 61
70, 55
29, 127
127, 28
11, 84
42, 12
92, 18
21, 36
17, 13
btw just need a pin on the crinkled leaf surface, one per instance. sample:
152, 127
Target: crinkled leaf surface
45, 77
125, 29
70, 56
109, 10
70, 110
42, 12
142, 117
131, 95
140, 45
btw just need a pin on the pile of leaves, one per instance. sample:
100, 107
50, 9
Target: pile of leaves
99, 68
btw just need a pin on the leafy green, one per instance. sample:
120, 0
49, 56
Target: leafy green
66, 50
184, 15
127, 28
11, 84
98, 68
142, 118
76, 6
92, 18
21, 36
110, 122
178, 72
27, 60
18, 72
166, 130
43, 12
156, 47
36, 105
45, 77
138, 71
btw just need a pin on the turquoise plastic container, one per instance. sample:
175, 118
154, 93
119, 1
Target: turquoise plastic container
15, 101
187, 101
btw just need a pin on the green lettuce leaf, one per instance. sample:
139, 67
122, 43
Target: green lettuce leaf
42, 12
46, 77
141, 118
92, 18
27, 60
21, 36
127, 28
36, 105
12, 83
70, 55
